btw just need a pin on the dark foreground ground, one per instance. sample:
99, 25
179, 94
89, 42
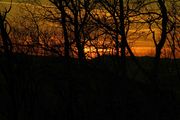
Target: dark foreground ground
45, 88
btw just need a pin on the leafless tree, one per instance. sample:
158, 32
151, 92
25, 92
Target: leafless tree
157, 20
118, 19
174, 31
7, 69
74, 19
154, 15
18, 85
7, 43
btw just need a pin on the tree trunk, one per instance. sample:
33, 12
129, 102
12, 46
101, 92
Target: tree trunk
7, 44
63, 22
80, 47
162, 41
123, 41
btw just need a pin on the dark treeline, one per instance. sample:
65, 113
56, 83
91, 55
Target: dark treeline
74, 60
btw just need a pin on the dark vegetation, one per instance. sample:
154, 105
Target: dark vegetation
45, 90
62, 84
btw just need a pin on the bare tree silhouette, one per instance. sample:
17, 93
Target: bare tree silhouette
74, 19
7, 69
7, 43
119, 22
